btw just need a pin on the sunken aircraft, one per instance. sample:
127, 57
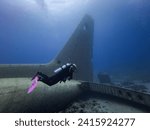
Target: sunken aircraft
15, 78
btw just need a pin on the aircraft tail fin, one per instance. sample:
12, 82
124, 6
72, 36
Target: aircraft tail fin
78, 50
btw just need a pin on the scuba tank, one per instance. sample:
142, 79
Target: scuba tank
61, 68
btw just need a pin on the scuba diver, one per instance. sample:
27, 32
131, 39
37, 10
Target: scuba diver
61, 75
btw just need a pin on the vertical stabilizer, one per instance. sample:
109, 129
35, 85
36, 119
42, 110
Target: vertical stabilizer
79, 48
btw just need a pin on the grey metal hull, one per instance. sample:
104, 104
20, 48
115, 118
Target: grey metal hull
14, 97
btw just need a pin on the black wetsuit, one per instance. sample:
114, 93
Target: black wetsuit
63, 75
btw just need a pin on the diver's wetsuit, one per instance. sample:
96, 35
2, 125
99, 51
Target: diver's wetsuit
64, 74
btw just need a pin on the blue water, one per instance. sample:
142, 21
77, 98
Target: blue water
34, 31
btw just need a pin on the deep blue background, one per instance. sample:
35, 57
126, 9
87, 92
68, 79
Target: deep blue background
35, 31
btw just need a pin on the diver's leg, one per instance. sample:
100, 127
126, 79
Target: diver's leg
45, 79
41, 76
52, 80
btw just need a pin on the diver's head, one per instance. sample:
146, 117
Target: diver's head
74, 67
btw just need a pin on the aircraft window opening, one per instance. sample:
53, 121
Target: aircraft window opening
85, 27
